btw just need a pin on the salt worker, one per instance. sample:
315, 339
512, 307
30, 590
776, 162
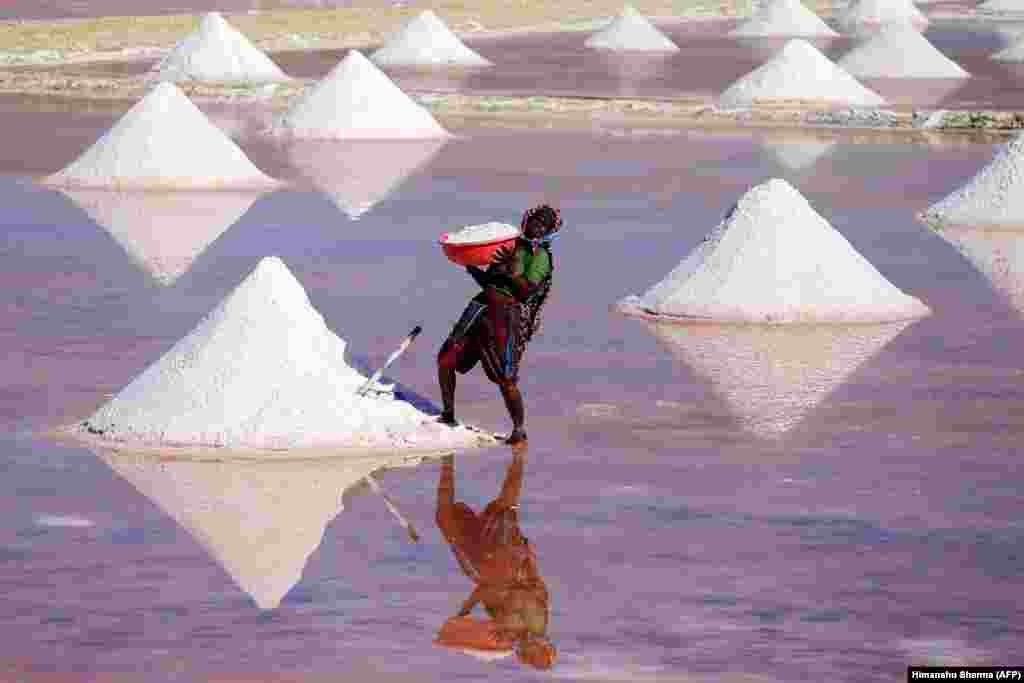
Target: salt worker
492, 551
499, 322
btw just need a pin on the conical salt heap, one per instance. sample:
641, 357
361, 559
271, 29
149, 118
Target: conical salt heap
163, 142
994, 197
773, 259
899, 51
217, 52
784, 18
426, 41
799, 73
871, 14
1013, 52
631, 31
997, 254
262, 370
357, 100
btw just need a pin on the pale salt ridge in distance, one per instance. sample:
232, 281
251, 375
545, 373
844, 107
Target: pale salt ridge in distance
784, 18
899, 51
631, 31
486, 232
427, 41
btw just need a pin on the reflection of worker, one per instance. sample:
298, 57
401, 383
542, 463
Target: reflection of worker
493, 552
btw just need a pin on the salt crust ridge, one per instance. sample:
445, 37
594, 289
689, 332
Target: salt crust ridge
426, 40
631, 31
357, 100
873, 13
217, 52
784, 18
899, 51
774, 259
163, 142
262, 370
798, 73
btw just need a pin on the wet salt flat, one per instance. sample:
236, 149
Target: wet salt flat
712, 503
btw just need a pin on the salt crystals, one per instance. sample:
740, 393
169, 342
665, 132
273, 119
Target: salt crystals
631, 31
426, 41
485, 232
784, 18
899, 51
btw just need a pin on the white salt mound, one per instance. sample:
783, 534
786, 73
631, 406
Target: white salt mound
993, 197
631, 30
1013, 53
426, 41
798, 73
263, 370
997, 254
163, 142
773, 259
485, 232
783, 18
899, 51
874, 13
217, 52
356, 100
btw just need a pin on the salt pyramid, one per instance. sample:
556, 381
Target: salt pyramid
217, 52
784, 18
870, 14
994, 197
163, 142
771, 377
773, 259
357, 100
997, 254
798, 73
1012, 53
899, 51
262, 370
631, 31
426, 41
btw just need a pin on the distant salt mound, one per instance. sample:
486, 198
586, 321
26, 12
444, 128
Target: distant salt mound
356, 100
163, 142
1012, 53
1002, 6
997, 254
899, 51
994, 197
631, 31
426, 41
774, 259
783, 18
217, 52
798, 73
262, 370
864, 15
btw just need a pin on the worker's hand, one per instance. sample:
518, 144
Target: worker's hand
503, 257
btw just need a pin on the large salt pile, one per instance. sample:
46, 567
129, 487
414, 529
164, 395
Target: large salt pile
783, 18
993, 197
866, 15
426, 41
774, 259
631, 30
1012, 53
163, 142
997, 254
799, 73
357, 100
262, 370
899, 51
217, 52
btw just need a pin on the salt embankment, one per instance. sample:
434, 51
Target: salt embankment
899, 51
356, 100
631, 31
784, 18
774, 259
163, 142
798, 74
997, 254
263, 370
425, 40
869, 15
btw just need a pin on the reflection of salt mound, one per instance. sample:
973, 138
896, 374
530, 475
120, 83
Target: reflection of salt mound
772, 376
357, 100
631, 31
899, 51
997, 254
426, 41
358, 174
784, 18
263, 370
774, 259
163, 232
993, 197
798, 73
866, 14
1013, 53
217, 52
163, 142
795, 153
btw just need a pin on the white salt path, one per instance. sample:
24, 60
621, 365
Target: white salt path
163, 142
899, 51
773, 259
631, 31
997, 254
425, 40
799, 73
356, 100
871, 14
485, 232
262, 370
993, 197
163, 233
1012, 53
784, 18
217, 52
